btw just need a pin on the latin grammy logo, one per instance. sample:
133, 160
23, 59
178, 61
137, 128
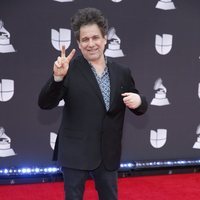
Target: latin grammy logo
5, 141
160, 98
197, 143
165, 5
5, 46
116, 1
53, 137
113, 49
61, 103
63, 1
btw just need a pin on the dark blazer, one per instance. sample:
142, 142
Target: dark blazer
88, 134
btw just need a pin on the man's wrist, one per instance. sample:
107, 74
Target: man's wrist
58, 78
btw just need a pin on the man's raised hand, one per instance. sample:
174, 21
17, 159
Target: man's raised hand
61, 65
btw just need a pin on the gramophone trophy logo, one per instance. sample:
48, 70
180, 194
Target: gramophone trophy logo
5, 46
197, 143
160, 98
165, 5
114, 49
158, 138
116, 1
63, 1
199, 90
53, 137
61, 103
5, 142
60, 38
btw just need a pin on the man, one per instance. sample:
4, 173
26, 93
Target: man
96, 93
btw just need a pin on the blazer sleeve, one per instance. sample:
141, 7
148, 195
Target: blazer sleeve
51, 94
132, 88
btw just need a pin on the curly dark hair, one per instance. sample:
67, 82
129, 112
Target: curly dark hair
87, 16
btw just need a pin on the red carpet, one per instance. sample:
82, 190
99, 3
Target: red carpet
165, 187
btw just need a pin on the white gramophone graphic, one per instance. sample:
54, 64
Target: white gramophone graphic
199, 90
160, 98
116, 1
62, 1
165, 5
58, 39
5, 46
197, 143
163, 44
158, 138
113, 49
53, 137
5, 141
61, 103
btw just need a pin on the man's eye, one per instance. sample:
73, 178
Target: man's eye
95, 38
84, 40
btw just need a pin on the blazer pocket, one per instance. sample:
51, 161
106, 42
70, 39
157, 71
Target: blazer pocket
122, 88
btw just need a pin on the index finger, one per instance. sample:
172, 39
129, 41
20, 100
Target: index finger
125, 94
71, 55
63, 51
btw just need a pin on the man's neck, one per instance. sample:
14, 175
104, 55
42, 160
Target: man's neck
99, 65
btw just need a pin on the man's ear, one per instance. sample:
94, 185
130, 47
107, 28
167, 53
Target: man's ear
78, 43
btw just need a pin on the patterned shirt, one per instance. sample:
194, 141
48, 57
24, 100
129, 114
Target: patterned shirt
104, 85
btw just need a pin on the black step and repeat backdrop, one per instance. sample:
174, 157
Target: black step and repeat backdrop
158, 39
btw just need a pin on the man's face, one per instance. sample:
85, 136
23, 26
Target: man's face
92, 43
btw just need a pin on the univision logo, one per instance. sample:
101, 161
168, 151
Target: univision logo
6, 89
60, 38
163, 44
158, 138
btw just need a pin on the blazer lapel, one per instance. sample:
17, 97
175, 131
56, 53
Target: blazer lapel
87, 72
113, 82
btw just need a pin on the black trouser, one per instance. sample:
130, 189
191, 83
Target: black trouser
105, 183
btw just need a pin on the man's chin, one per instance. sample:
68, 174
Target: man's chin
92, 57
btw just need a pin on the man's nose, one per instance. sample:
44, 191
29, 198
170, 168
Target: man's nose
91, 42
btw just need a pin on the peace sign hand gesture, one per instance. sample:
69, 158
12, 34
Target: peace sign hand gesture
61, 65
